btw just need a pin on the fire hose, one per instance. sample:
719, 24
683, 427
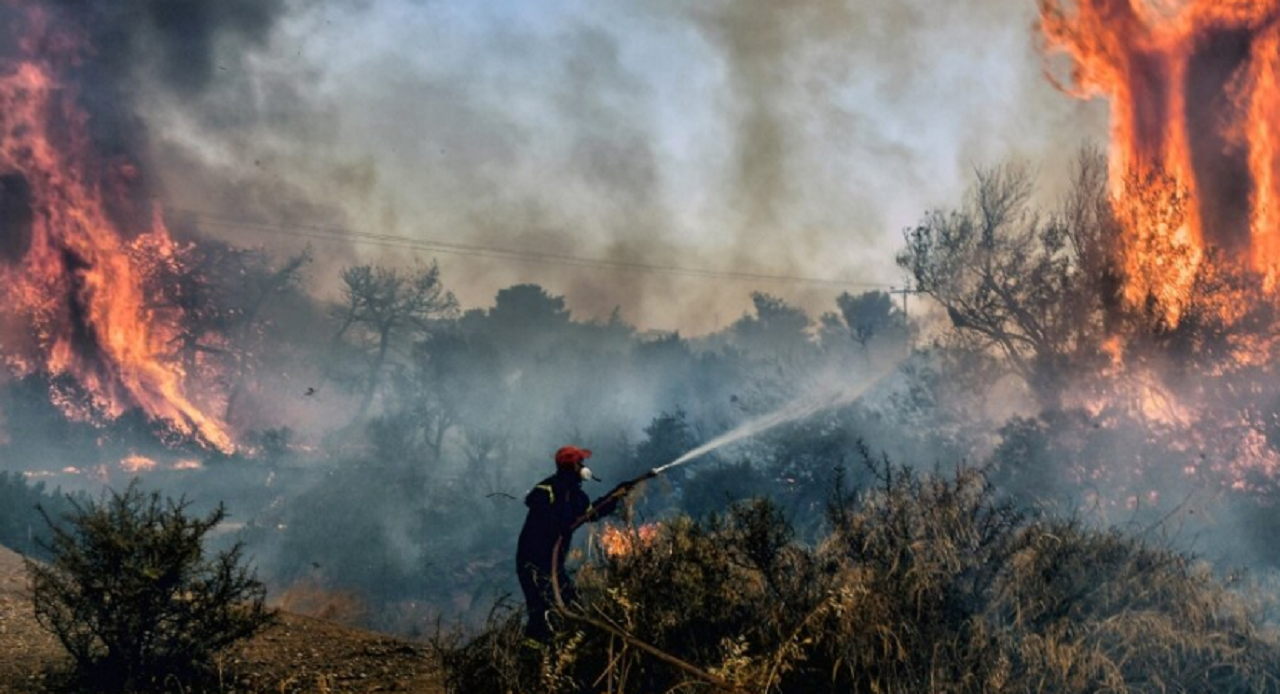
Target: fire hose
557, 553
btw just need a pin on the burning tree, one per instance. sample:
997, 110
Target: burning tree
1028, 286
1113, 324
75, 235
216, 294
1194, 95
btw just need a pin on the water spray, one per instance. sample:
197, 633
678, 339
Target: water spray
792, 412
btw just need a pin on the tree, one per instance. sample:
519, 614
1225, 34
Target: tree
381, 306
778, 330
872, 316
212, 295
1029, 286
21, 528
526, 321
132, 596
667, 438
248, 331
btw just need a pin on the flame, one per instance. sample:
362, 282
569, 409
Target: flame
1195, 108
619, 542
137, 463
74, 281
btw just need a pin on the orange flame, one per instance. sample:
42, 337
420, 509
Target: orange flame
137, 463
1195, 105
75, 287
619, 542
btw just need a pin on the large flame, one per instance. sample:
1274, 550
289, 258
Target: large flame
73, 301
1195, 105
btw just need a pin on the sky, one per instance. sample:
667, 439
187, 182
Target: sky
769, 137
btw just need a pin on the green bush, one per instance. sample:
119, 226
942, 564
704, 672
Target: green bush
131, 594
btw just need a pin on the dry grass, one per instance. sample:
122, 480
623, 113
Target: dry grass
923, 584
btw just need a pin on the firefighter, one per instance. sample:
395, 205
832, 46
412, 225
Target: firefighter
557, 505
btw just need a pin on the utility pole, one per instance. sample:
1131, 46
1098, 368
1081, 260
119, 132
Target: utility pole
905, 291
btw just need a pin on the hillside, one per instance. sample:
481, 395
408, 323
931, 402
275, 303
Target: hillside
300, 654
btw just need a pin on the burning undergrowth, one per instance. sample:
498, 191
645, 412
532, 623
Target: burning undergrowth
1155, 386
922, 582
1164, 257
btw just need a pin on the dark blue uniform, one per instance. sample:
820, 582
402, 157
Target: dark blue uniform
554, 504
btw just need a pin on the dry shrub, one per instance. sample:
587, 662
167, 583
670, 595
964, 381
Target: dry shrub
491, 662
924, 583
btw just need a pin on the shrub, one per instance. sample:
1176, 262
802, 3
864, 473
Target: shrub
923, 583
131, 594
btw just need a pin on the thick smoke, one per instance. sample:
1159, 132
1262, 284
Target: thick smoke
781, 138
179, 46
125, 50
136, 56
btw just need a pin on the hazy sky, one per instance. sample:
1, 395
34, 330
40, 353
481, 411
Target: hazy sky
780, 137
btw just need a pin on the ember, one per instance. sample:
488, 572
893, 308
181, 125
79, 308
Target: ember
618, 542
137, 463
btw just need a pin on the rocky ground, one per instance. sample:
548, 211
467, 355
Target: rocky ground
299, 654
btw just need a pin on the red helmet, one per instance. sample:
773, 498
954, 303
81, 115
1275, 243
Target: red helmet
570, 457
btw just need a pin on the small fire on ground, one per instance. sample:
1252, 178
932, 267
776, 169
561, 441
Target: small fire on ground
618, 541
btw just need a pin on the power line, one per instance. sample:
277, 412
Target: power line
333, 233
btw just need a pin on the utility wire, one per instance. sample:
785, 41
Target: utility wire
332, 233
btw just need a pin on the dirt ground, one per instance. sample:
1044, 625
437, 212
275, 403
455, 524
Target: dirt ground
300, 654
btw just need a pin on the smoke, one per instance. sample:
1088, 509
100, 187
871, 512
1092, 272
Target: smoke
115, 53
792, 138
843, 111
176, 46
131, 63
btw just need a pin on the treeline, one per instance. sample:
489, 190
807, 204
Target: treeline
1065, 391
